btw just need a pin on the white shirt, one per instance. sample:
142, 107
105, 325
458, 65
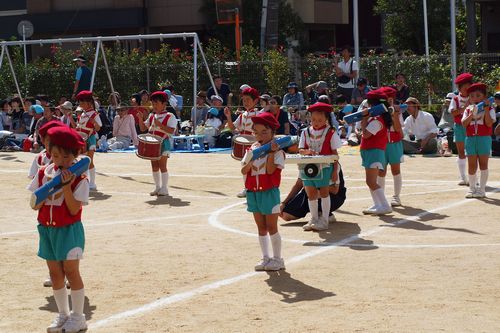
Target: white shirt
259, 164
315, 139
480, 116
125, 126
422, 126
244, 121
345, 67
172, 121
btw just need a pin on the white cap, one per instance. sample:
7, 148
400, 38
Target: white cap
450, 96
67, 105
217, 97
244, 86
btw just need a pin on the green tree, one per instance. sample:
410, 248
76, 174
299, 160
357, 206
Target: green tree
404, 24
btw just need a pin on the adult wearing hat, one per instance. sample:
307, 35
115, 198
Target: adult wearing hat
293, 99
83, 76
420, 130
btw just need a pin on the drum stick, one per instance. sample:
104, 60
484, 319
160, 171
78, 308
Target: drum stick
55, 184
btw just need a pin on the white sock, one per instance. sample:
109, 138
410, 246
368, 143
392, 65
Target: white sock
462, 164
156, 178
264, 245
375, 199
77, 301
164, 180
313, 208
325, 207
382, 201
61, 298
276, 243
398, 184
381, 182
472, 182
92, 176
483, 179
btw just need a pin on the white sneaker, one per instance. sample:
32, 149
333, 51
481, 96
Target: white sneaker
275, 264
470, 194
162, 192
321, 225
47, 283
75, 324
261, 266
332, 218
57, 323
242, 194
479, 194
371, 210
308, 225
395, 201
155, 192
463, 182
382, 210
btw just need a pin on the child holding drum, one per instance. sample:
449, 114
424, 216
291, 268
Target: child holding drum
320, 139
262, 180
243, 124
160, 124
88, 124
478, 128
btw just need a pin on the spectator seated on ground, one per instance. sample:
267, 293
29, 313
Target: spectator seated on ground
420, 130
124, 132
495, 151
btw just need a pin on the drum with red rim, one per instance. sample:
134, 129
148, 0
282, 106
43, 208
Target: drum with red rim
149, 147
240, 144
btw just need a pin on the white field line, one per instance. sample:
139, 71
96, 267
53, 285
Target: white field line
167, 300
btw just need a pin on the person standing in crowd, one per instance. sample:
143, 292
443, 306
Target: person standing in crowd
403, 91
223, 90
421, 129
347, 71
293, 99
83, 76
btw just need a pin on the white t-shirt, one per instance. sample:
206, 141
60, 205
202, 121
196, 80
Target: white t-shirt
422, 126
480, 116
244, 121
315, 138
345, 67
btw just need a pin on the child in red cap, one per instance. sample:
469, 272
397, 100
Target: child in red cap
456, 108
163, 124
478, 127
373, 144
62, 238
262, 180
320, 139
88, 124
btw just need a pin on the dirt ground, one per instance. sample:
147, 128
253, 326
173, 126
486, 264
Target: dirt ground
185, 263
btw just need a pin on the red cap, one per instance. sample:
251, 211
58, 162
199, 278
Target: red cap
65, 137
266, 118
377, 94
320, 107
389, 91
464, 78
478, 87
53, 123
252, 92
160, 94
84, 94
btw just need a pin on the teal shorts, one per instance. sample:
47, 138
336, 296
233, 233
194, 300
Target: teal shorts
91, 142
59, 244
458, 133
394, 153
264, 202
373, 159
478, 145
318, 183
165, 147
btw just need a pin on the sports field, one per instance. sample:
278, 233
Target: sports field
184, 263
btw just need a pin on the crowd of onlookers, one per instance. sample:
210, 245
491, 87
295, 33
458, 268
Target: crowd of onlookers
121, 124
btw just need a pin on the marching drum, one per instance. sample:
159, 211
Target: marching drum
149, 147
240, 145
